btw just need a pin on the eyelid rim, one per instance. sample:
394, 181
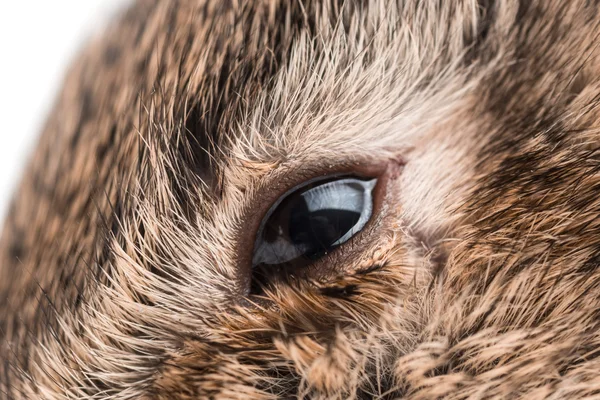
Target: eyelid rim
279, 183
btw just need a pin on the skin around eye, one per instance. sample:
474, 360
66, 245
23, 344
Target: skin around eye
313, 220
280, 240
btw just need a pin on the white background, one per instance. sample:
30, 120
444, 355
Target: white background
38, 39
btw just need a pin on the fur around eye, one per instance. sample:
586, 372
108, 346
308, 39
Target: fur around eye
339, 199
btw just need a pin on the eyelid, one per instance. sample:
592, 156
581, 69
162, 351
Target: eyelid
273, 187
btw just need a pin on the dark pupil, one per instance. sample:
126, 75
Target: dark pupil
310, 222
317, 231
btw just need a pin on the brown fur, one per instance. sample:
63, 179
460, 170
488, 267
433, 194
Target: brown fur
123, 262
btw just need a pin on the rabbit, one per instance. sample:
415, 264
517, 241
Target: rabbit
335, 199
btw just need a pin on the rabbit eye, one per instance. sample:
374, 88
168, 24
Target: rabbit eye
306, 224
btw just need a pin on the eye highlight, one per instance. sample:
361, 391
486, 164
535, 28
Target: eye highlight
314, 219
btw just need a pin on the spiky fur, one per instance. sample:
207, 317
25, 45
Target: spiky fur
119, 274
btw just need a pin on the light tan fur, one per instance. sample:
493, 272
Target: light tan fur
122, 274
